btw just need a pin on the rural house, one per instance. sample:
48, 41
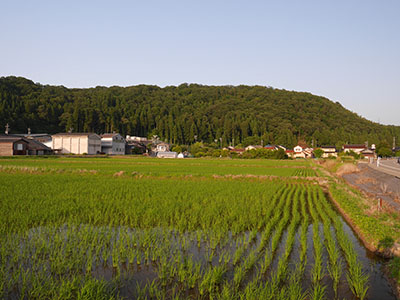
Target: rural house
167, 154
77, 143
136, 144
355, 148
113, 144
368, 153
37, 148
13, 145
43, 138
272, 147
289, 152
329, 151
253, 147
302, 151
138, 139
298, 152
162, 147
161, 150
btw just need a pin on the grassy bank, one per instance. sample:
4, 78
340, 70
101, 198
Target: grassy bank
379, 229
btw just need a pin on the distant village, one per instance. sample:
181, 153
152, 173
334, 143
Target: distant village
73, 143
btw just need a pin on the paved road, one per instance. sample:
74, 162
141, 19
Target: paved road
372, 180
388, 166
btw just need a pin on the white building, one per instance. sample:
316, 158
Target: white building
355, 148
298, 152
167, 154
329, 151
77, 143
302, 152
253, 147
113, 144
139, 139
162, 147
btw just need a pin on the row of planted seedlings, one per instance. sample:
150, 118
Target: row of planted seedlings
304, 172
206, 263
357, 279
35, 262
47, 256
264, 281
284, 285
338, 246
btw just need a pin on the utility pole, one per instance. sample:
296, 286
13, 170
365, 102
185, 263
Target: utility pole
7, 128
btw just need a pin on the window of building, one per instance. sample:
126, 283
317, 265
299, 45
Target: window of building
20, 147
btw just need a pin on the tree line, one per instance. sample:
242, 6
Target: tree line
187, 113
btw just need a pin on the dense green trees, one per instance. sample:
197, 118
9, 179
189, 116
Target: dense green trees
383, 149
318, 152
187, 113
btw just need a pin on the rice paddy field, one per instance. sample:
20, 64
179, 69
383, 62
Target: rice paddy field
143, 228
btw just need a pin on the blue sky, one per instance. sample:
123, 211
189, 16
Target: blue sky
347, 51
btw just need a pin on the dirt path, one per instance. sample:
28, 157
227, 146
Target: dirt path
376, 184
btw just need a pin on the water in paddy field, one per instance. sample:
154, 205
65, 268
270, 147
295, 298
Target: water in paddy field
157, 244
373, 265
133, 275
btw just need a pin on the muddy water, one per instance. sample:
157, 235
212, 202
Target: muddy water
132, 276
372, 265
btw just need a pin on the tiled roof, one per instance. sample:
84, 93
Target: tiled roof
36, 145
238, 150
355, 146
108, 135
10, 139
74, 134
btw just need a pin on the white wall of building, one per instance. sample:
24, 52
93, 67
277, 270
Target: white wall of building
90, 144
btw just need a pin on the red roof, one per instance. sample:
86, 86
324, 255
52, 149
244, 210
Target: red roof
237, 150
360, 146
289, 151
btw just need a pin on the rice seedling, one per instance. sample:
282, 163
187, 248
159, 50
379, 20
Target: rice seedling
157, 236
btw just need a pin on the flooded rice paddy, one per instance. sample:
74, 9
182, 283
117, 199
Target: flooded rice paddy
303, 250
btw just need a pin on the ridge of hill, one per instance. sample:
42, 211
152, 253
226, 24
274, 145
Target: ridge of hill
187, 113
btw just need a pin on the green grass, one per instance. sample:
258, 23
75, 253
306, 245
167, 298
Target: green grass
165, 167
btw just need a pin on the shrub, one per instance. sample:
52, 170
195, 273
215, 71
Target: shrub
384, 152
177, 149
386, 243
318, 153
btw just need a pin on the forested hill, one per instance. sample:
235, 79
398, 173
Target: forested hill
185, 113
